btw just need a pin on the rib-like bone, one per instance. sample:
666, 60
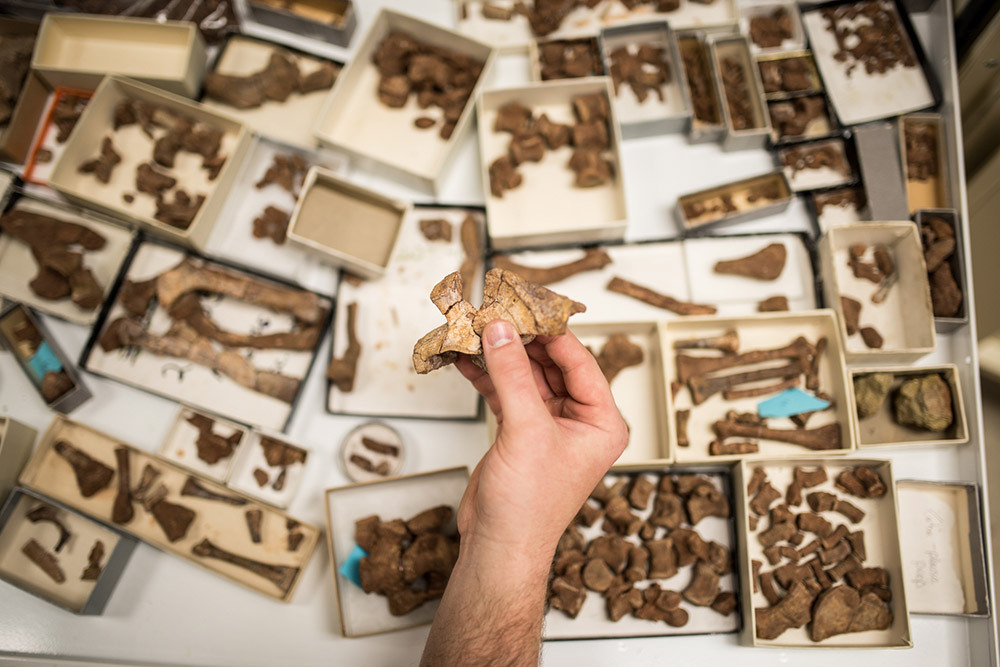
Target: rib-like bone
342, 371
49, 514
653, 298
727, 342
192, 275
281, 576
91, 474
188, 309
122, 511
824, 437
379, 447
702, 388
594, 259
193, 488
689, 366
43, 559
753, 392
254, 518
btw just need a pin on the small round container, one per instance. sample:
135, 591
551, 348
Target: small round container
372, 451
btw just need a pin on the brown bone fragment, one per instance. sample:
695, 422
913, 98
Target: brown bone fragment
716, 448
181, 211
848, 482
792, 611
212, 447
704, 586
432, 520
849, 564
597, 576
567, 597
690, 366
617, 512
193, 488
150, 181
379, 447
803, 479
93, 570
775, 553
617, 354
593, 259
814, 523
343, 370
91, 475
663, 560
622, 286
779, 532
639, 492
173, 519
752, 392
146, 481
728, 342
48, 563
773, 304
873, 484
281, 576
871, 336
835, 554
254, 518
702, 387
792, 572
763, 499
869, 576
857, 542
836, 536
49, 514
706, 500
757, 479
102, 166
767, 588
122, 511
766, 264
822, 438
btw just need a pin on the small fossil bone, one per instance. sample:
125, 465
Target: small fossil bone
689, 366
48, 563
773, 304
752, 392
93, 569
766, 264
193, 488
254, 518
682, 422
379, 447
173, 519
824, 437
212, 447
728, 342
702, 387
281, 576
91, 475
653, 298
593, 259
122, 511
49, 514
716, 448
617, 354
343, 370
102, 166
146, 481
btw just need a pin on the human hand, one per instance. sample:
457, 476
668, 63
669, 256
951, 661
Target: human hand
558, 432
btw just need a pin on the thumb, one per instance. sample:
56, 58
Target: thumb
510, 371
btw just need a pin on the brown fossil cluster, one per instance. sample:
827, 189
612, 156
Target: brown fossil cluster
937, 235
409, 562
699, 80
276, 82
770, 30
786, 75
439, 77
869, 33
792, 118
569, 58
818, 576
829, 155
15, 61
874, 264
736, 89
648, 534
644, 67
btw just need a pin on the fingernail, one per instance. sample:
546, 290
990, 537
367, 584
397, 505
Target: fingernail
498, 333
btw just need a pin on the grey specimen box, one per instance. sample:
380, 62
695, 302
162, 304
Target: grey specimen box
39, 356
349, 226
904, 319
752, 9
748, 199
78, 51
331, 21
726, 48
70, 553
377, 137
698, 74
547, 208
198, 441
878, 151
363, 614
881, 428
955, 263
941, 534
16, 441
652, 116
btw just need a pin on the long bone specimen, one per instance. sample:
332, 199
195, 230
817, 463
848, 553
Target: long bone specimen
193, 488
183, 342
91, 474
37, 554
594, 259
343, 370
653, 298
188, 308
281, 576
122, 511
728, 342
193, 275
703, 388
49, 514
824, 437
766, 264
690, 366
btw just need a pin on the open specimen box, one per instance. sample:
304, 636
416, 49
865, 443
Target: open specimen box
748, 124
820, 562
416, 137
806, 117
17, 40
171, 508
349, 226
788, 74
385, 316
252, 229
372, 451
62, 111
268, 468
725, 368
511, 26
219, 338
361, 613
135, 143
707, 123
203, 443
673, 528
772, 25
59, 555
16, 441
928, 411
651, 93
924, 159
78, 51
60, 260
838, 207
546, 206
941, 535
49, 370
554, 59
737, 201
331, 21
814, 165
944, 255
866, 82
884, 306
274, 91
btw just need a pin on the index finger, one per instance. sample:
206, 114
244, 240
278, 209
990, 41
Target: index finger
583, 378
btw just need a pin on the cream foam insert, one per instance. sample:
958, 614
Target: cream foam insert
225, 525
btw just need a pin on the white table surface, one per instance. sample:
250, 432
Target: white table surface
167, 611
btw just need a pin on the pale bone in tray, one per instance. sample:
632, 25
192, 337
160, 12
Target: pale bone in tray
683, 518
19, 269
394, 311
171, 509
870, 529
699, 423
203, 443
282, 323
69, 552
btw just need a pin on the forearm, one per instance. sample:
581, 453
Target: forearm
491, 613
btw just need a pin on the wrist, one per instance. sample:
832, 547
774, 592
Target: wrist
513, 562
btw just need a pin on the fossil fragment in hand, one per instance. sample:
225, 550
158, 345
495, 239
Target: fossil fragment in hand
91, 475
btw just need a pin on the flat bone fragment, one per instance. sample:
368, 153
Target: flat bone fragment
778, 532
682, 421
254, 518
767, 264
93, 570
343, 370
46, 561
793, 611
188, 309
91, 475
766, 495
757, 478
281, 576
716, 448
822, 438
833, 613
873, 483
173, 519
640, 491
102, 166
48, 514
122, 511
152, 182
212, 447
194, 488
653, 298
150, 500
773, 304
278, 453
617, 354
706, 500
436, 229
594, 259
662, 559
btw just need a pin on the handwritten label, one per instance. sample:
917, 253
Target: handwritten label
928, 532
